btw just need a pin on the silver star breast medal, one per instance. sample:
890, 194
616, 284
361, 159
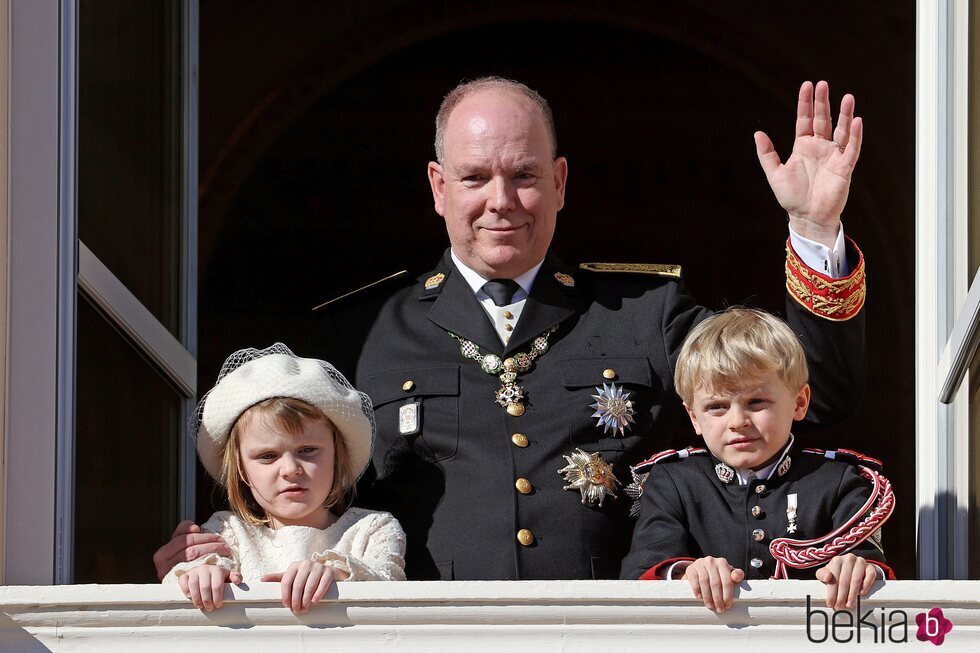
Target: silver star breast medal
614, 410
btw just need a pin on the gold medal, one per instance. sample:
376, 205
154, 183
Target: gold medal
564, 279
591, 475
510, 395
434, 281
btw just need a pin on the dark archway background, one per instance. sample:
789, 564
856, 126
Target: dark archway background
316, 125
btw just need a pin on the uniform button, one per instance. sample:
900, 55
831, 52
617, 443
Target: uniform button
508, 315
408, 386
756, 563
508, 327
757, 512
526, 537
524, 486
519, 439
609, 373
758, 534
759, 489
515, 410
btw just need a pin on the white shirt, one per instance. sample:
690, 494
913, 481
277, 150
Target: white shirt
504, 318
746, 475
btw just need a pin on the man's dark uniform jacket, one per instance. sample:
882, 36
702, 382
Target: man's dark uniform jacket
688, 512
452, 484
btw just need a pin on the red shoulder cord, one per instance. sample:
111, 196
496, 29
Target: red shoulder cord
803, 554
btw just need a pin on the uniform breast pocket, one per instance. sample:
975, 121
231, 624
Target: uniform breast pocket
625, 392
419, 405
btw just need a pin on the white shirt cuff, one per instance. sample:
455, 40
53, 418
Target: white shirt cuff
673, 567
879, 572
817, 256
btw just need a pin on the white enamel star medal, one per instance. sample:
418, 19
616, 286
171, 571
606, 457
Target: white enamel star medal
614, 410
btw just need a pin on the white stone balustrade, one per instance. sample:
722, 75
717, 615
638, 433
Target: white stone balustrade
538, 616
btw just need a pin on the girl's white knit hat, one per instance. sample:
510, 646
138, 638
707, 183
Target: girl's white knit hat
250, 376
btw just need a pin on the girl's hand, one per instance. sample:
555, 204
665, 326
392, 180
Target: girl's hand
713, 581
846, 577
304, 583
204, 586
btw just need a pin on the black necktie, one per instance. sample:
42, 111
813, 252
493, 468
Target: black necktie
501, 291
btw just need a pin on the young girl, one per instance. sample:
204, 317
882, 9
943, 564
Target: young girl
287, 437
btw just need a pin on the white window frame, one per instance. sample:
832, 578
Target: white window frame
44, 277
4, 248
945, 322
35, 330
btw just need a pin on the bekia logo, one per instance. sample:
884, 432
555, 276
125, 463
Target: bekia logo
933, 626
875, 626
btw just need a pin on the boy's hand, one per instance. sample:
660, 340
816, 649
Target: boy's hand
204, 586
304, 583
846, 577
713, 581
186, 544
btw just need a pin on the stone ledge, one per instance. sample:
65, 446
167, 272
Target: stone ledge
477, 616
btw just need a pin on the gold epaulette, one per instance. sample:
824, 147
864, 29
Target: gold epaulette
656, 269
373, 284
831, 299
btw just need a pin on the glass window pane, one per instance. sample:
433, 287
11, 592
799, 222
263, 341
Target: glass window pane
127, 428
129, 146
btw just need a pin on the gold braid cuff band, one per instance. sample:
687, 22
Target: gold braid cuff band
832, 299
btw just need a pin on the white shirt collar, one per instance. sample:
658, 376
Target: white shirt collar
476, 281
765, 472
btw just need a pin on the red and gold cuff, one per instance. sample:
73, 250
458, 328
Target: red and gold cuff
832, 299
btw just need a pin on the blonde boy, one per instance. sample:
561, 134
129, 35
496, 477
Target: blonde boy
709, 517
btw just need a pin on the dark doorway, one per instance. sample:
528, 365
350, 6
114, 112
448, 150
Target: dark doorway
314, 144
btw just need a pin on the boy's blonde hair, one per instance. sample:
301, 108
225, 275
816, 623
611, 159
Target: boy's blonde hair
737, 346
290, 415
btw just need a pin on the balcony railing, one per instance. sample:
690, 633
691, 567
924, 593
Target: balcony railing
539, 616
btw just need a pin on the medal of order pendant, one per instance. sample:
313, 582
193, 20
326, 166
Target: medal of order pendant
510, 395
591, 475
614, 409
791, 514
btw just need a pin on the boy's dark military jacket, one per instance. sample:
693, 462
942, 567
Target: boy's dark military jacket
686, 511
453, 485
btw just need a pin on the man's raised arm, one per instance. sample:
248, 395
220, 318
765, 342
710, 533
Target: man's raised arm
812, 185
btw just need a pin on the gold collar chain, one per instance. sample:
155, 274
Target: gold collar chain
510, 395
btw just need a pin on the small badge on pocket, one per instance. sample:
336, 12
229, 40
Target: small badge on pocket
410, 417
